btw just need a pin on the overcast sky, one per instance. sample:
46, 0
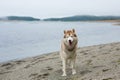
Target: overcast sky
59, 8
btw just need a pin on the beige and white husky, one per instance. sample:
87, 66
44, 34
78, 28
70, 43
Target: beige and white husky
68, 50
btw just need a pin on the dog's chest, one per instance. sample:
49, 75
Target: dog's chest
70, 54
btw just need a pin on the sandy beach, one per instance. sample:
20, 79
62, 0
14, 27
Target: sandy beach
98, 62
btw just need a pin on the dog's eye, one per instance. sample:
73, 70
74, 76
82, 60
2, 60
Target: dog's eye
75, 35
64, 36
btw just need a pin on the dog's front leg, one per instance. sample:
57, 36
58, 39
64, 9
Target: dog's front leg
73, 66
64, 62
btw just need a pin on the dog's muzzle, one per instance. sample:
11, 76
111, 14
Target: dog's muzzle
70, 40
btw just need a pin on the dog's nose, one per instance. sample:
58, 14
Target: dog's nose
70, 42
70, 39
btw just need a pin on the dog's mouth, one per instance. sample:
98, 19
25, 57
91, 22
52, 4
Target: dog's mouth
70, 42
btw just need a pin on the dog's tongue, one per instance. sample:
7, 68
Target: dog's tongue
70, 42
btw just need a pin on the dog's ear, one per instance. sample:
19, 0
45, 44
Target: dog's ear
64, 31
73, 30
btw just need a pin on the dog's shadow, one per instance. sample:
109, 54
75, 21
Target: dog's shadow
81, 71
57, 75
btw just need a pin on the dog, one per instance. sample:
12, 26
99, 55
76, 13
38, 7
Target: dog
68, 50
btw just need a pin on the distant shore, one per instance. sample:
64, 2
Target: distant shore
115, 22
118, 21
73, 18
98, 62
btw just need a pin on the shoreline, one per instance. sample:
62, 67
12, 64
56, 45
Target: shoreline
100, 62
115, 22
17, 59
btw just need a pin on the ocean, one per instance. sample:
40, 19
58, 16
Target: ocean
26, 39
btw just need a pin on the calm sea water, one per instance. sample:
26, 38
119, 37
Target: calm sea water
25, 39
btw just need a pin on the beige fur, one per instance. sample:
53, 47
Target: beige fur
68, 50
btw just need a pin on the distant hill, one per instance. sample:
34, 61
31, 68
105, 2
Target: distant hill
71, 18
84, 18
19, 18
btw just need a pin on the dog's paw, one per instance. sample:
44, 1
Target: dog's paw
73, 72
64, 75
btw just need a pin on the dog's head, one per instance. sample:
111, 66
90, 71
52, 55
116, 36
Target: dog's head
70, 36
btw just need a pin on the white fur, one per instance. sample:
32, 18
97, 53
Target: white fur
70, 38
